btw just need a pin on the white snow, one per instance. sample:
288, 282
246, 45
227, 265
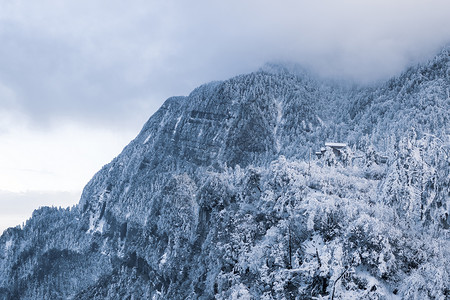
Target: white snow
100, 226
163, 260
126, 189
314, 245
320, 121
148, 138
241, 292
176, 124
91, 224
8, 245
279, 117
381, 285
96, 226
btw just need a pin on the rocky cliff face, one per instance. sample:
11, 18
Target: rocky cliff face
217, 198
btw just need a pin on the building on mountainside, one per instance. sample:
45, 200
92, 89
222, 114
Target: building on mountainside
335, 153
340, 153
335, 147
320, 153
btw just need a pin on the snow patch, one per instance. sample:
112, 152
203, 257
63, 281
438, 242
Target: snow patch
241, 292
8, 245
314, 245
148, 138
96, 225
381, 287
100, 226
279, 117
157, 295
176, 125
320, 121
91, 224
163, 260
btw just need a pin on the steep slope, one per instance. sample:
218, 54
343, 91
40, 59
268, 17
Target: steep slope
217, 197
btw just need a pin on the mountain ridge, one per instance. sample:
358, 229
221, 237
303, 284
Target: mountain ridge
217, 196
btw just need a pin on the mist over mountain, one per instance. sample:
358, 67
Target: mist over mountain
222, 195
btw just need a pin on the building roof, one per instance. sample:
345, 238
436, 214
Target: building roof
336, 145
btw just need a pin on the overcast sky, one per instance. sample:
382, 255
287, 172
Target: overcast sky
79, 78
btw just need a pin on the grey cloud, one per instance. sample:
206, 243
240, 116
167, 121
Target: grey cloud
110, 63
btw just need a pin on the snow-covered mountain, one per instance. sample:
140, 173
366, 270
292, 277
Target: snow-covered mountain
221, 195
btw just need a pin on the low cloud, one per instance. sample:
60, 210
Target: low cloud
79, 78
108, 63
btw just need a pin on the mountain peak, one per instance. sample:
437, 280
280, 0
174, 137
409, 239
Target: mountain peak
221, 196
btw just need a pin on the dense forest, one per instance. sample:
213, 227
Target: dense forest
222, 196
